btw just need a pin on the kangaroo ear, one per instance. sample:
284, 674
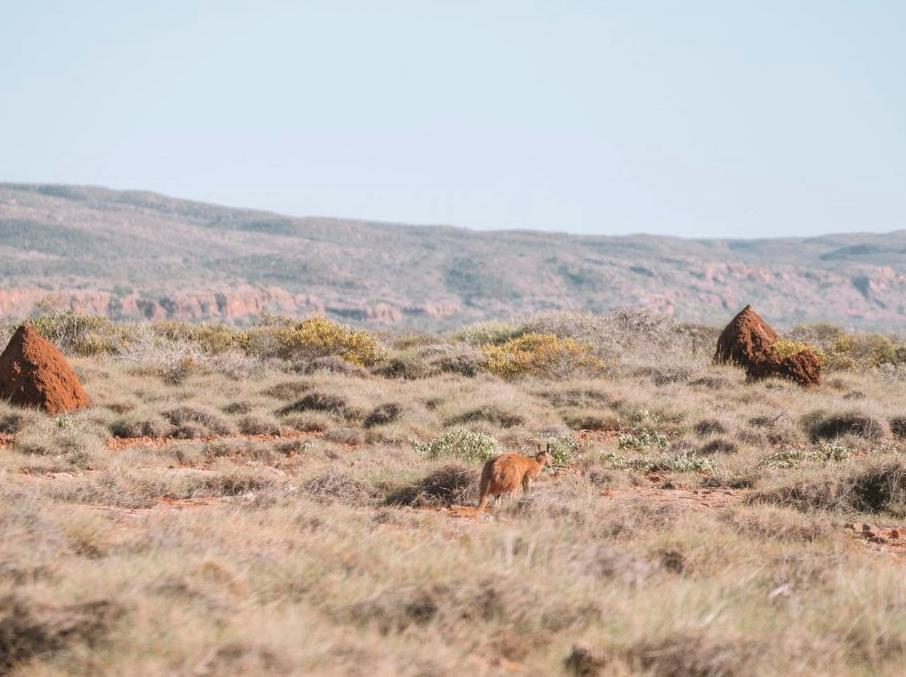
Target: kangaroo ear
547, 449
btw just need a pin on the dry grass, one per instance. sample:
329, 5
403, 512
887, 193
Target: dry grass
696, 526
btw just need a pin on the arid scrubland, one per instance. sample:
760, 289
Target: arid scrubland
297, 498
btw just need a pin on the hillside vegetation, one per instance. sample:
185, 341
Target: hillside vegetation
296, 497
145, 256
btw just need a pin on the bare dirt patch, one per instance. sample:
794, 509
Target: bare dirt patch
681, 497
886, 540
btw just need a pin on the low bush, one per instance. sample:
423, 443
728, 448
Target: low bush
12, 421
319, 337
591, 421
683, 462
794, 458
878, 488
641, 438
258, 424
662, 376
317, 401
450, 485
28, 630
385, 413
468, 362
784, 348
898, 426
331, 364
541, 355
193, 422
709, 426
562, 449
718, 446
334, 485
821, 426
349, 436
488, 413
710, 382
467, 445
490, 333
133, 425
79, 334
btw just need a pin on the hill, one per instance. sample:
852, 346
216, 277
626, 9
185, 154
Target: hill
131, 254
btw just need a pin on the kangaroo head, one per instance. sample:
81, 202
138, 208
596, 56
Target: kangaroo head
544, 456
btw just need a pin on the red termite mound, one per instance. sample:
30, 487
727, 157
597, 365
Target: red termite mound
33, 373
747, 342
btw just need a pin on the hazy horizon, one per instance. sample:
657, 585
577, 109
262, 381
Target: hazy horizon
696, 121
540, 230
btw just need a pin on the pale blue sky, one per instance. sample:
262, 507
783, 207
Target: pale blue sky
688, 117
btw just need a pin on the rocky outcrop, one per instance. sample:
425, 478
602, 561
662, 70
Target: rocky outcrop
33, 373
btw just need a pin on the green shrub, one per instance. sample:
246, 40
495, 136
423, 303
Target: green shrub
851, 351
562, 448
211, 338
490, 333
684, 462
641, 438
468, 445
79, 334
794, 458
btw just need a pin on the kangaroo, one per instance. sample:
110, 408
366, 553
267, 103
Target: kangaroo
504, 473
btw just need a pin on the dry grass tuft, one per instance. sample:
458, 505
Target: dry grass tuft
450, 485
691, 655
190, 422
830, 426
335, 485
318, 401
489, 413
709, 426
383, 414
898, 426
718, 446
878, 488
28, 630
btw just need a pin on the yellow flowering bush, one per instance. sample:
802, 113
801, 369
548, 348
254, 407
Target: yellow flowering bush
784, 348
543, 355
318, 337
